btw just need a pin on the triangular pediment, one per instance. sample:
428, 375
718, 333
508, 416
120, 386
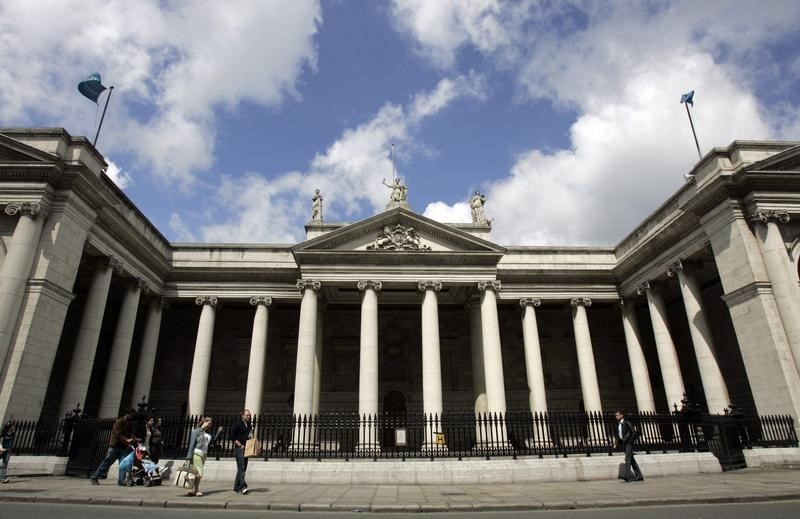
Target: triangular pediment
787, 160
398, 234
15, 151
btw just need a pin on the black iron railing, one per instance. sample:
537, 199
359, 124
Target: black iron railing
456, 434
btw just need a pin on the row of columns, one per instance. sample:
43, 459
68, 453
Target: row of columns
76, 385
488, 375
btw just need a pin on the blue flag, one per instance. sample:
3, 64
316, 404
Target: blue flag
91, 87
688, 98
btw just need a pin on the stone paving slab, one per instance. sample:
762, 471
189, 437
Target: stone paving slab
738, 486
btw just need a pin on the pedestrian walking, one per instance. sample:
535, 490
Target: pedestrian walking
6, 439
241, 432
199, 442
626, 437
118, 447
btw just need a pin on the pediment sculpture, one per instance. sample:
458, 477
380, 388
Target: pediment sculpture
398, 238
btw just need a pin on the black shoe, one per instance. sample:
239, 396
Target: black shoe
94, 481
243, 491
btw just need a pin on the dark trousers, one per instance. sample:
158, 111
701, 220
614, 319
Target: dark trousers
241, 468
114, 454
630, 463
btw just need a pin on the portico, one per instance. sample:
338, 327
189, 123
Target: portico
397, 312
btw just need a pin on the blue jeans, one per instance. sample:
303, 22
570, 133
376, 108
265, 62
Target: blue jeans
114, 454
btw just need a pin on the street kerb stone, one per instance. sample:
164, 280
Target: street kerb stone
285, 506
315, 507
434, 507
194, 502
350, 507
395, 507
507, 507
246, 505
125, 501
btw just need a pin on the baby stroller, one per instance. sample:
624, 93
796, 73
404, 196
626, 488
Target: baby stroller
143, 471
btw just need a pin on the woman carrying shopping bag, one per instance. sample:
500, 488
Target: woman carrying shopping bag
197, 452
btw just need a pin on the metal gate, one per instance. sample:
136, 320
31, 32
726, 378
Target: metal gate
88, 445
725, 437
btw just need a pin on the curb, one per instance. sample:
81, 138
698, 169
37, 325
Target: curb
393, 507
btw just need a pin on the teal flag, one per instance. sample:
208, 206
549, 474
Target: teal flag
688, 98
91, 88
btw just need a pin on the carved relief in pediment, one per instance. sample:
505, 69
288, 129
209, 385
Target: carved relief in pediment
398, 237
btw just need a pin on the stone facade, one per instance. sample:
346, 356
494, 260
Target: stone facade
396, 311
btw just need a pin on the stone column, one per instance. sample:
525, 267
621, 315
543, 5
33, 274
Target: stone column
198, 384
304, 371
368, 366
714, 387
768, 359
120, 351
16, 268
258, 355
476, 349
79, 373
667, 356
590, 390
781, 274
639, 372
493, 358
147, 354
318, 358
431, 358
537, 398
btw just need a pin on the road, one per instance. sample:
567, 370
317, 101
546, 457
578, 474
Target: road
771, 510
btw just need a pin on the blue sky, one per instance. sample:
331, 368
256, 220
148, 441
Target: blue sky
227, 115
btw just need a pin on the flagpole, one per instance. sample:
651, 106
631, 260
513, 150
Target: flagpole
96, 135
393, 166
700, 155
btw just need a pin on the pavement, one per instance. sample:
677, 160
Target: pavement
747, 485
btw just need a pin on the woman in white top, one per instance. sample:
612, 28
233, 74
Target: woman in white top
198, 450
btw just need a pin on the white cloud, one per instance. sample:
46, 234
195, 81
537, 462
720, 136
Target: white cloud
348, 174
173, 64
182, 231
441, 27
442, 212
622, 69
121, 178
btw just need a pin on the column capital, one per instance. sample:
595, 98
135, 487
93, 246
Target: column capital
530, 301
313, 284
141, 284
261, 300
433, 285
496, 286
32, 209
674, 267
206, 300
643, 288
369, 283
580, 301
115, 264
768, 216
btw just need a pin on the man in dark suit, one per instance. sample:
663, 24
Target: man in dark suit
626, 436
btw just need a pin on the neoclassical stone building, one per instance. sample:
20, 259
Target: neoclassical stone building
396, 312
